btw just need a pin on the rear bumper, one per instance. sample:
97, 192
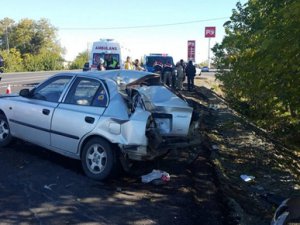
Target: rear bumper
159, 147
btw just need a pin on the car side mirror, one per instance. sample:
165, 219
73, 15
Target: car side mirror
25, 93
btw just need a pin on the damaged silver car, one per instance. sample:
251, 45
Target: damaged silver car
101, 118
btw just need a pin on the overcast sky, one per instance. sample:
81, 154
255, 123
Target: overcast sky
141, 26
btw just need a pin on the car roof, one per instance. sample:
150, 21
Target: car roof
127, 76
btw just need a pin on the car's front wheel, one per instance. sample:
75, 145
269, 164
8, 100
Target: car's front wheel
5, 136
98, 159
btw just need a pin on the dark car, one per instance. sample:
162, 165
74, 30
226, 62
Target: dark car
204, 69
86, 67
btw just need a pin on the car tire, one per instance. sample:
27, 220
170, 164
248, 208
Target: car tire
5, 135
98, 159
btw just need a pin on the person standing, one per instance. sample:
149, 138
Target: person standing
167, 73
180, 76
190, 71
128, 64
157, 67
137, 65
111, 63
101, 66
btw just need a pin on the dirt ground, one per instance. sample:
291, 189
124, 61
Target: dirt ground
40, 187
238, 148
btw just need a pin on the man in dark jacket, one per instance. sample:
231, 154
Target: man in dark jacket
190, 71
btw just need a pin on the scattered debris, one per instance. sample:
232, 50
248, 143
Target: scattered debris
258, 188
160, 176
215, 147
247, 178
213, 106
69, 185
49, 186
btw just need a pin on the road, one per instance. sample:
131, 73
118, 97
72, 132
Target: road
17, 81
38, 186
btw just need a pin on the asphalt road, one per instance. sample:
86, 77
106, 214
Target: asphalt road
38, 186
17, 81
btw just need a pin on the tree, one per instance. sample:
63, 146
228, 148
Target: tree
79, 61
12, 59
203, 63
35, 41
261, 48
5, 27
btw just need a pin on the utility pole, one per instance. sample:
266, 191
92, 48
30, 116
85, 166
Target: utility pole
87, 50
208, 53
7, 41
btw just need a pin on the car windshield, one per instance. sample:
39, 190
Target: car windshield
164, 59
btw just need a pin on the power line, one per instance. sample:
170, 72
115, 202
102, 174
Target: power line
141, 26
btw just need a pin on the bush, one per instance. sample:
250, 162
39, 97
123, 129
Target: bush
13, 61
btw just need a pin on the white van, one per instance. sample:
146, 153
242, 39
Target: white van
107, 49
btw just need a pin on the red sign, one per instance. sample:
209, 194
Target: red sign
210, 32
191, 50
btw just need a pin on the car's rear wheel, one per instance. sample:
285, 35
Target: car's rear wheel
98, 159
5, 136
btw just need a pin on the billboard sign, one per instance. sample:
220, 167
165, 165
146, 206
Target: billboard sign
210, 32
191, 50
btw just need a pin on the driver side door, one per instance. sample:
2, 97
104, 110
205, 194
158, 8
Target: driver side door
32, 115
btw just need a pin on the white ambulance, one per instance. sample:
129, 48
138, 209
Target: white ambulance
108, 50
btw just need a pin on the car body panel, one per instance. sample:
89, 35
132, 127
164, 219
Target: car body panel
28, 121
171, 113
65, 133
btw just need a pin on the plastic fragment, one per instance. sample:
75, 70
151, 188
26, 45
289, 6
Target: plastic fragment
247, 178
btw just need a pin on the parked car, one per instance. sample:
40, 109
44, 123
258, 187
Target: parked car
86, 66
204, 69
100, 118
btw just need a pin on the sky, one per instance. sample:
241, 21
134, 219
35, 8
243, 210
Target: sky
141, 26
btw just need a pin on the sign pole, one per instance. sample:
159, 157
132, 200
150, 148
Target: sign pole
210, 32
208, 58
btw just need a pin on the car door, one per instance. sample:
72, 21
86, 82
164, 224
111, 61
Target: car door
32, 115
78, 114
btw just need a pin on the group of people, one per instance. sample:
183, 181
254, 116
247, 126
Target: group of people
170, 75
135, 65
110, 63
175, 76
